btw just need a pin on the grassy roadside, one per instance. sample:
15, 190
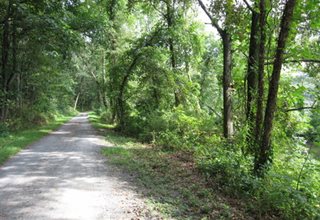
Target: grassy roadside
14, 142
170, 181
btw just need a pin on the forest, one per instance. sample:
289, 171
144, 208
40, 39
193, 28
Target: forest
233, 84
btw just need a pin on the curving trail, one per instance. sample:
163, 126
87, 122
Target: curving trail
63, 176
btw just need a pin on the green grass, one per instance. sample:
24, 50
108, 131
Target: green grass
96, 122
170, 181
14, 142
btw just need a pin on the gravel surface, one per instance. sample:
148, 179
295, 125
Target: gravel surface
63, 176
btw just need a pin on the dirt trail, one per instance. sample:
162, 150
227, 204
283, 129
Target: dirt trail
63, 176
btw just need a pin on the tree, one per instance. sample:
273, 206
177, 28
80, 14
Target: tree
265, 151
30, 55
227, 66
255, 74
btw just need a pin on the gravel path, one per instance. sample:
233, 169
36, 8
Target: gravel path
63, 176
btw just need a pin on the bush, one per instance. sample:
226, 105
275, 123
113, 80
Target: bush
177, 129
4, 130
225, 163
292, 186
289, 190
106, 117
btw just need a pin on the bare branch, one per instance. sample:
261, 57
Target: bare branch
302, 60
299, 109
213, 22
93, 75
214, 111
160, 12
297, 61
249, 6
302, 108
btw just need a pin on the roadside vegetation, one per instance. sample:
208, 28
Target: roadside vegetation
168, 179
190, 184
12, 141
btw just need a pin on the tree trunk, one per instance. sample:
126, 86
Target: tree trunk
120, 101
173, 66
265, 154
170, 22
252, 73
252, 67
227, 77
112, 59
13, 73
227, 86
259, 114
104, 82
4, 66
76, 102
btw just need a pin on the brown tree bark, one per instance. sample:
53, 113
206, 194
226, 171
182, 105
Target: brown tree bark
227, 85
252, 67
262, 26
252, 73
170, 23
265, 153
228, 130
112, 11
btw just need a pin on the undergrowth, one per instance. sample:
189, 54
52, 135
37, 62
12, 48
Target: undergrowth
289, 190
172, 183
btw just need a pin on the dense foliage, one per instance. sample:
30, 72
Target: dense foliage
153, 68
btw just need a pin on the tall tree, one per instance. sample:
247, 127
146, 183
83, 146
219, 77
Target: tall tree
225, 35
265, 151
255, 74
251, 77
170, 18
252, 65
261, 64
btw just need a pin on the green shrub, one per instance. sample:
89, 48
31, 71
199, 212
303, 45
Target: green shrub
292, 186
225, 163
177, 129
106, 117
4, 130
290, 189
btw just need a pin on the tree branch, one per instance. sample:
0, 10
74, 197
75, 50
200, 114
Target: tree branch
302, 60
155, 8
299, 109
214, 111
249, 6
214, 23
297, 61
94, 76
